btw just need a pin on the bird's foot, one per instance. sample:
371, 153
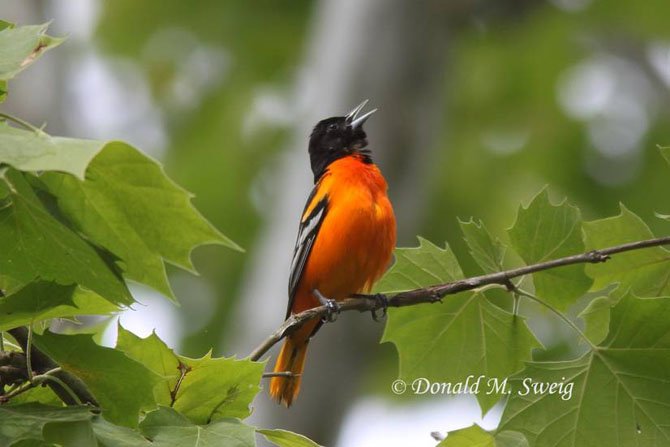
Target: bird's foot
332, 307
381, 303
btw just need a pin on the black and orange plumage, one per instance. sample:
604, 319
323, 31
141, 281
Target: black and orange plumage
346, 236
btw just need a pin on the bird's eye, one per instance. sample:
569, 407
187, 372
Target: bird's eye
332, 127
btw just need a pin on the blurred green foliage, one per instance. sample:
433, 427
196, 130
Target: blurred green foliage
208, 149
504, 82
505, 134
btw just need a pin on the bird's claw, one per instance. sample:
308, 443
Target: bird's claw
332, 307
332, 311
383, 302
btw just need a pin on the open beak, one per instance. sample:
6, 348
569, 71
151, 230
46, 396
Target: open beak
357, 121
352, 115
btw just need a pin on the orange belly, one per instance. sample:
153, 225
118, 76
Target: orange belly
355, 242
351, 250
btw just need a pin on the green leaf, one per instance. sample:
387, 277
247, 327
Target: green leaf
473, 436
37, 151
646, 271
32, 301
218, 388
167, 428
128, 205
542, 232
465, 335
665, 152
121, 385
211, 388
619, 394
21, 46
486, 251
155, 355
596, 315
78, 433
42, 300
511, 439
35, 245
110, 435
425, 265
3, 91
284, 438
639, 323
41, 394
26, 421
4, 192
34, 443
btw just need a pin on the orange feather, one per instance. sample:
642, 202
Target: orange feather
352, 250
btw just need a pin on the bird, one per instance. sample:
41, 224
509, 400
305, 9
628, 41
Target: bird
345, 241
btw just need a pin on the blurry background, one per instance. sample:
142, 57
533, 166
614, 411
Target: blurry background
481, 104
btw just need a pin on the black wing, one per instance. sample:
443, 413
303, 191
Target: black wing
309, 228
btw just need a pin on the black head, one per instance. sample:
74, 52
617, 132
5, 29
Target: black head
337, 137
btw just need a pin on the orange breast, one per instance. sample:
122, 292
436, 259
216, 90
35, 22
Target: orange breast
355, 243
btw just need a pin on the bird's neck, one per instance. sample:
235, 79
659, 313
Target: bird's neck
357, 157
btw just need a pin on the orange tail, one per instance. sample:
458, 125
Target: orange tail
291, 358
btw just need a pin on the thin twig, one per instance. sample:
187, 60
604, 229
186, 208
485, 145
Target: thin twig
437, 292
16, 391
281, 374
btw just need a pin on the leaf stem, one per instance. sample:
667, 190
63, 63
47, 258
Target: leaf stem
20, 122
183, 370
36, 381
48, 376
558, 313
29, 363
42, 362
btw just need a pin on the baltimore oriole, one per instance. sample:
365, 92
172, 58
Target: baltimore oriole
345, 240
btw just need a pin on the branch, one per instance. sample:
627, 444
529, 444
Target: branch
37, 380
437, 292
68, 387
